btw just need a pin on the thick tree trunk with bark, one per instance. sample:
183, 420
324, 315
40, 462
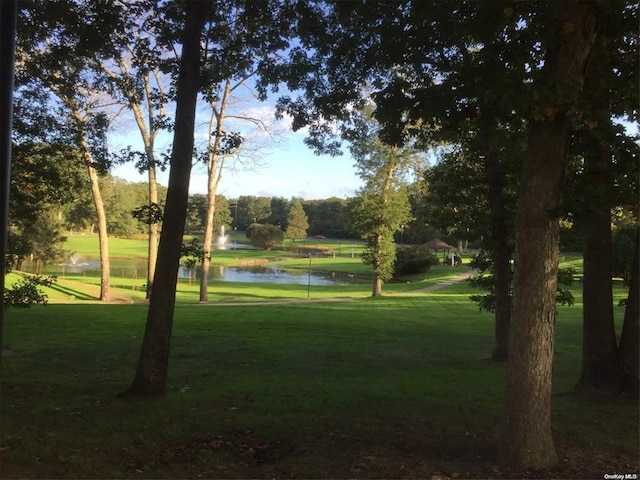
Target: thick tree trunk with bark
526, 441
501, 256
151, 375
376, 290
630, 338
377, 286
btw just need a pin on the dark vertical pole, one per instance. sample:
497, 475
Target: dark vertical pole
8, 11
309, 280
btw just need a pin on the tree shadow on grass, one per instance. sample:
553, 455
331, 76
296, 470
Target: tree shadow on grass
397, 450
72, 293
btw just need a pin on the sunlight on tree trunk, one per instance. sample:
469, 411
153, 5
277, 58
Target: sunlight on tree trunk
215, 167
103, 237
153, 234
81, 118
149, 123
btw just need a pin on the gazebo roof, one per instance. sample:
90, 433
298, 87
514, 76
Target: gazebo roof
438, 244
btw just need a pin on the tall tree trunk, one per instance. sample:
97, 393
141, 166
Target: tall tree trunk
148, 131
151, 374
153, 228
630, 339
600, 368
207, 247
379, 239
377, 279
501, 256
148, 134
215, 165
94, 181
103, 238
8, 14
81, 116
526, 441
149, 137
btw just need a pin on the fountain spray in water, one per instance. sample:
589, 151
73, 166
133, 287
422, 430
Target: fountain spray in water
221, 241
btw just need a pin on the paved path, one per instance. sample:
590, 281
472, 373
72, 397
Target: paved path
446, 283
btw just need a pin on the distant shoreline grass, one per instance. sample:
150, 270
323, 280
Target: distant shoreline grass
127, 283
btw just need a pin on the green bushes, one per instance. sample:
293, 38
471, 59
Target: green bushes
26, 291
265, 236
413, 260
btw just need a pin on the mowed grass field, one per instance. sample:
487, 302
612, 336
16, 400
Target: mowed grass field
127, 286
396, 387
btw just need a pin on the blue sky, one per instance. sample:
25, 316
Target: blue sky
285, 167
291, 169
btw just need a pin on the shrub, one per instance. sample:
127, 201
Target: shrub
484, 281
26, 292
414, 260
265, 236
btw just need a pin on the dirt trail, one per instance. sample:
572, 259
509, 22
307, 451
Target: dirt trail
446, 283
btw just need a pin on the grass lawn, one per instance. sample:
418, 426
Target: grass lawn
395, 387
87, 245
82, 289
127, 283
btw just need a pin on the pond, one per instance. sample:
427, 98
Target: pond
136, 269
272, 274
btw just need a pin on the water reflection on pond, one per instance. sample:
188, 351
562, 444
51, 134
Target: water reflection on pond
136, 269
272, 274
